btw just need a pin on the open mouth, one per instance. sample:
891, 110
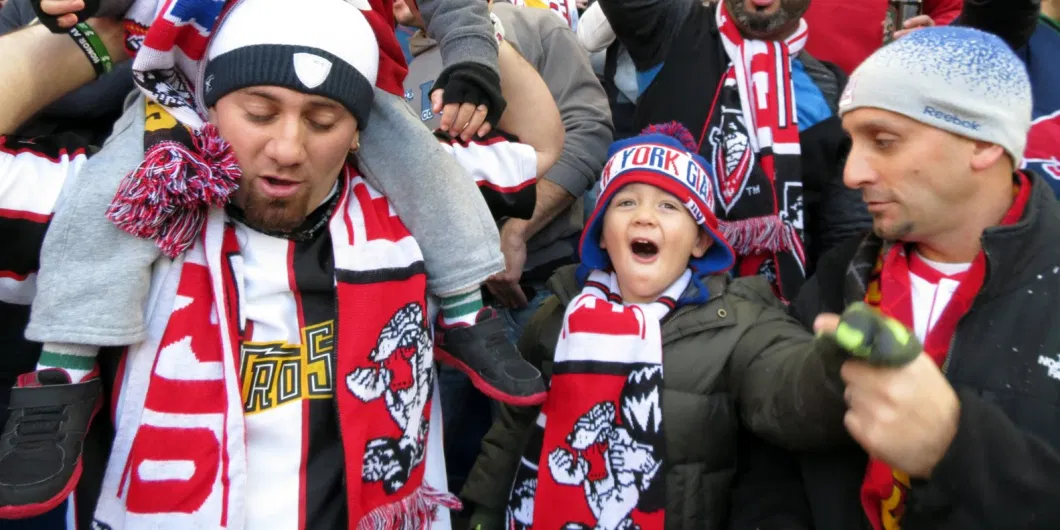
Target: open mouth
277, 187
642, 248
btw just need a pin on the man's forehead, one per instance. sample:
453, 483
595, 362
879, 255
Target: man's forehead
286, 96
867, 118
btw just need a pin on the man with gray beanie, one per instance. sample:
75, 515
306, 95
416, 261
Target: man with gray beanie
963, 253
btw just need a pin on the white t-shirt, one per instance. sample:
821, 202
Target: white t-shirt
933, 284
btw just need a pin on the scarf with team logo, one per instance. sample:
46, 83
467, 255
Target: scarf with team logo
166, 198
595, 458
890, 289
179, 458
764, 227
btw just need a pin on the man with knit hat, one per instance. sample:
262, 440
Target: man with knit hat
963, 253
286, 377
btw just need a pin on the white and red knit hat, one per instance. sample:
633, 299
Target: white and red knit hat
661, 156
174, 40
324, 47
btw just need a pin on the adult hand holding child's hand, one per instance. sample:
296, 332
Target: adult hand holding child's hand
901, 409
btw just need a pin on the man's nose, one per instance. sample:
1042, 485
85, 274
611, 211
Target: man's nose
287, 146
858, 172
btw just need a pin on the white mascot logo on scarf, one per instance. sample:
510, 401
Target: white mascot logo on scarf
613, 458
403, 378
732, 156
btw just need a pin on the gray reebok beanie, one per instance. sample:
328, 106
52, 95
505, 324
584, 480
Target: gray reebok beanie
960, 80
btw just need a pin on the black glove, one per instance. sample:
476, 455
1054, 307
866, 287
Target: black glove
871, 336
93, 8
475, 84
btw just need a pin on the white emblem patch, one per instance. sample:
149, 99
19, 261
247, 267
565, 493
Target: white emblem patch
312, 70
1052, 364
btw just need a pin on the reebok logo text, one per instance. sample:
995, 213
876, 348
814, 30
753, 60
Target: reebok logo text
951, 118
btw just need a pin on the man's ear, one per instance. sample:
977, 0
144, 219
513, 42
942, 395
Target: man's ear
703, 244
985, 155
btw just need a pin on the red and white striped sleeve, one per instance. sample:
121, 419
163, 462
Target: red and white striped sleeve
504, 170
32, 173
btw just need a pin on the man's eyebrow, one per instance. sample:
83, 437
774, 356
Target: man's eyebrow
874, 124
324, 103
262, 94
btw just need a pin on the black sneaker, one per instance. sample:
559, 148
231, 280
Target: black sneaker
40, 449
493, 363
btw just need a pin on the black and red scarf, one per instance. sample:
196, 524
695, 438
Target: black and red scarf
754, 135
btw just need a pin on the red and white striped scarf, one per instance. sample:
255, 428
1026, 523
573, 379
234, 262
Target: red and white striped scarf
595, 458
179, 458
761, 71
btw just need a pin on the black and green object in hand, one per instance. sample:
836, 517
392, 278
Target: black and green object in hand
867, 334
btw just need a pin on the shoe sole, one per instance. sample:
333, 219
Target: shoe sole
25, 511
486, 388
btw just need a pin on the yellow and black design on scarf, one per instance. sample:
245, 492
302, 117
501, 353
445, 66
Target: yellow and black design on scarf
160, 126
275, 373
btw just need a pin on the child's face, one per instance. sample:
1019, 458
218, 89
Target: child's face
650, 237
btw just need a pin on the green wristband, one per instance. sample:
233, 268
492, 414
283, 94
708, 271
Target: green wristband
88, 40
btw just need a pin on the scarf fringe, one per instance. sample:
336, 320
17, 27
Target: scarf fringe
415, 512
757, 235
166, 197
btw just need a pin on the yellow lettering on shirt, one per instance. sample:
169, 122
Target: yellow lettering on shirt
275, 373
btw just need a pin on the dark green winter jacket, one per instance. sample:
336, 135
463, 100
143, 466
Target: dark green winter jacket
736, 360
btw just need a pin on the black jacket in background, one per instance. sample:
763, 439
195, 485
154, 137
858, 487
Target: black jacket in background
1003, 468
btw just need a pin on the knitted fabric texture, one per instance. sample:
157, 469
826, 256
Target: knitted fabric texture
960, 80
661, 156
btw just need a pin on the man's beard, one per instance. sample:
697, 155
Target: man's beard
267, 214
896, 233
754, 24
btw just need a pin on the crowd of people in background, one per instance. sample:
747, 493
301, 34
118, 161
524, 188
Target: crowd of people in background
529, 264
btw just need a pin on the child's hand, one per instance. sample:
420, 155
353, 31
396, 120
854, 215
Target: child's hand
468, 97
61, 15
464, 120
64, 10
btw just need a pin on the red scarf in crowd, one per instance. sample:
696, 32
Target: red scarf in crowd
595, 456
884, 490
767, 226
